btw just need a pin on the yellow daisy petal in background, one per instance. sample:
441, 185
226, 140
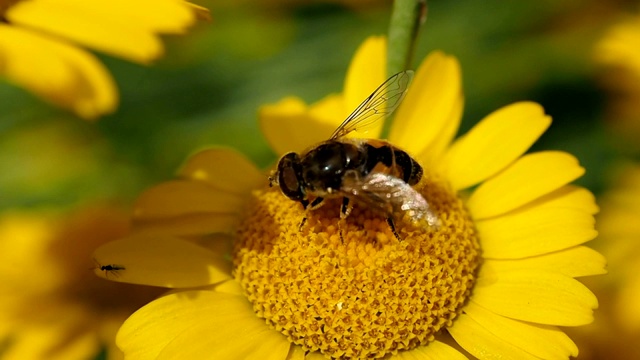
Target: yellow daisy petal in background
70, 78
497, 141
497, 273
160, 261
125, 29
616, 329
37, 50
52, 306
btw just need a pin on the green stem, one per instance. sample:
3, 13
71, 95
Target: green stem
406, 18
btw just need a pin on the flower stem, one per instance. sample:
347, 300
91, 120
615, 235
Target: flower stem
406, 18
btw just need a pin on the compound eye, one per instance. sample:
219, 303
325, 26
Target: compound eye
289, 170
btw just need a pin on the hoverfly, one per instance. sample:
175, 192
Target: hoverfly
371, 172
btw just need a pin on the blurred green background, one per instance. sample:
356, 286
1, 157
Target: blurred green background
208, 87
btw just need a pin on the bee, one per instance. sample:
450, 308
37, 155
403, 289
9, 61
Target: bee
371, 172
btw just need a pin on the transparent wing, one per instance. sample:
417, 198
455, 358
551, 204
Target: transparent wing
383, 101
390, 195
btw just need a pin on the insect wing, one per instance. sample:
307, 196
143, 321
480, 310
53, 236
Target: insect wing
383, 101
390, 195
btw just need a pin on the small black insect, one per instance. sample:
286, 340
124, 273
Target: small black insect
110, 269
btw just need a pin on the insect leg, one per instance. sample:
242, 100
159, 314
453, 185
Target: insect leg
392, 225
316, 203
346, 208
304, 221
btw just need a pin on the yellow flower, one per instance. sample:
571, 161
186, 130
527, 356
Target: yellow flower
497, 274
618, 54
51, 304
615, 331
40, 45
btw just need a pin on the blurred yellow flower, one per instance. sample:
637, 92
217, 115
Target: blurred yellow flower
619, 53
498, 274
616, 329
51, 304
40, 45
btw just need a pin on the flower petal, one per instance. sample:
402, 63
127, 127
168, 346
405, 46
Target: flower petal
187, 225
546, 342
494, 143
534, 231
288, 126
118, 27
482, 344
529, 178
367, 71
431, 111
230, 287
224, 169
69, 78
537, 296
568, 196
167, 327
436, 350
177, 198
161, 261
575, 262
433, 154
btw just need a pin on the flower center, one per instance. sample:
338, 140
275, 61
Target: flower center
350, 288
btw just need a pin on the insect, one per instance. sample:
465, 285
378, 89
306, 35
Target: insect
371, 172
109, 269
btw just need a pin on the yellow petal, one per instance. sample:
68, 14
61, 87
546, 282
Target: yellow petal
61, 74
187, 225
536, 296
230, 287
122, 28
296, 353
493, 144
568, 196
223, 324
288, 126
534, 231
546, 342
161, 261
529, 178
432, 109
433, 154
224, 169
52, 341
482, 344
367, 71
435, 350
575, 262
177, 198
